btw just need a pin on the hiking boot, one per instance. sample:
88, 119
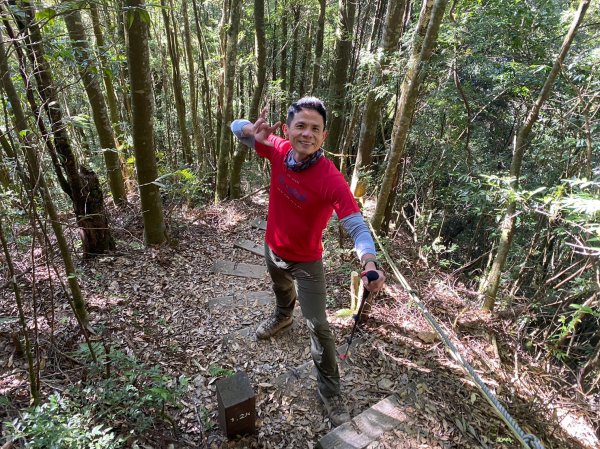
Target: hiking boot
336, 409
273, 325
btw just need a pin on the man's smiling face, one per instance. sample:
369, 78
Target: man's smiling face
306, 133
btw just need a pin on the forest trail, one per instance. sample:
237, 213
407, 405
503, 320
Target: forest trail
206, 328
167, 307
367, 426
295, 387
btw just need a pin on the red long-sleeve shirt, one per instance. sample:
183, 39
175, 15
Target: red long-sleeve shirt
301, 203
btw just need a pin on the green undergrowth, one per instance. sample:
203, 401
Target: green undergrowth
115, 405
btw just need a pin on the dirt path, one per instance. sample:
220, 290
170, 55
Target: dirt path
168, 307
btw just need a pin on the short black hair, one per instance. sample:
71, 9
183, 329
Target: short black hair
307, 103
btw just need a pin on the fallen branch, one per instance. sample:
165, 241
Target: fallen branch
255, 192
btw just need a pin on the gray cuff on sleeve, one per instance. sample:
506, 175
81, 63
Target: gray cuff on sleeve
355, 225
237, 127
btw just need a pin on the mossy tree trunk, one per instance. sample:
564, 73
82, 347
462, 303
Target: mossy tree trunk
306, 59
98, 105
283, 58
294, 62
5, 178
86, 194
424, 40
173, 48
316, 73
375, 98
196, 126
225, 147
142, 103
107, 75
206, 91
339, 76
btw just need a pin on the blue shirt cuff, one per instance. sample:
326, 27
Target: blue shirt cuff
237, 127
355, 225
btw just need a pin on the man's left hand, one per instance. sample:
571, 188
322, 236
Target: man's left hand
377, 284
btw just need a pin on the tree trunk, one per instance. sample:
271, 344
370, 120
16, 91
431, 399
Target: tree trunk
29, 93
138, 58
465, 100
37, 179
274, 46
87, 197
375, 103
377, 21
261, 71
306, 56
489, 287
294, 62
363, 15
5, 180
124, 73
589, 147
318, 47
261, 57
285, 40
99, 111
32, 369
173, 47
107, 75
225, 147
223, 24
197, 130
235, 184
208, 121
423, 43
339, 75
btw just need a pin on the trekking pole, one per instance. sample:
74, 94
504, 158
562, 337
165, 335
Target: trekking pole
371, 276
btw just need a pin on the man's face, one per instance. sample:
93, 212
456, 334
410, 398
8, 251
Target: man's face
306, 133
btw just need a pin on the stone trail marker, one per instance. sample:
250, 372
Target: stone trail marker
237, 405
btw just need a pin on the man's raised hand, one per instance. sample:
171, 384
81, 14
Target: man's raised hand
262, 130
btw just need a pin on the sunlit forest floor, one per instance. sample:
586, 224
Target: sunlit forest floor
153, 303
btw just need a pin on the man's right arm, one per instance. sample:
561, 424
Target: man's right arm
243, 132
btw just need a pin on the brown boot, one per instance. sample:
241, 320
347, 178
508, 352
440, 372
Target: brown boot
336, 409
273, 325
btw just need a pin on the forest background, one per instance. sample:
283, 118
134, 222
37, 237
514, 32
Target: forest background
469, 126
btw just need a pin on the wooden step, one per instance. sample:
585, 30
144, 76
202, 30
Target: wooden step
259, 224
241, 269
249, 245
248, 299
367, 427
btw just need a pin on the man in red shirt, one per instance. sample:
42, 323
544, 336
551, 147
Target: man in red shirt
306, 188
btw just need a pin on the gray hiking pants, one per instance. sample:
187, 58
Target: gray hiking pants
305, 281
